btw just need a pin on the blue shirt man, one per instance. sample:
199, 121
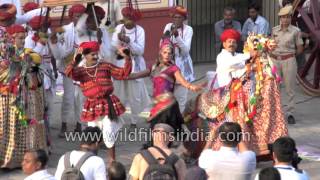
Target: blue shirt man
255, 23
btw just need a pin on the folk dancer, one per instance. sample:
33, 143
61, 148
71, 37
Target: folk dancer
38, 42
101, 108
21, 102
245, 91
164, 74
87, 30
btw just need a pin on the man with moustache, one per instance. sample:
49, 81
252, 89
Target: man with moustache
131, 36
181, 37
229, 63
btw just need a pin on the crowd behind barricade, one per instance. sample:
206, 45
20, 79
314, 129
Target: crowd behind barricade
100, 56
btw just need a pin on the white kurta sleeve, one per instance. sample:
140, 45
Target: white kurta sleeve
117, 10
60, 168
35, 46
115, 40
81, 25
100, 170
56, 50
137, 47
23, 19
167, 27
231, 63
185, 42
105, 47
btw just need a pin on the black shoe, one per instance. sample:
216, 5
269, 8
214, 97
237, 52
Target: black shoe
103, 146
62, 130
78, 128
291, 120
133, 126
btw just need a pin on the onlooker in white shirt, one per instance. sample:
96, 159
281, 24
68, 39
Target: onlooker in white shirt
284, 156
255, 23
34, 165
233, 161
117, 171
269, 173
93, 168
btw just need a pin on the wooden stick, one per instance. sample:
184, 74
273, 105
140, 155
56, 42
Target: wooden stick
95, 16
63, 13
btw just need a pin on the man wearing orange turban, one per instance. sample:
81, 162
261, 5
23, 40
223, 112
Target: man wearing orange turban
181, 35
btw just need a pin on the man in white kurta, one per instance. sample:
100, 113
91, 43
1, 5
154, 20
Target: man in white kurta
134, 92
63, 50
230, 64
181, 37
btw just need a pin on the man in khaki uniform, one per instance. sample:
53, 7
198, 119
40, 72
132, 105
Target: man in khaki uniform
290, 44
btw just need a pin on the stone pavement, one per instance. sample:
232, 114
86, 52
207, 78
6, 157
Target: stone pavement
306, 132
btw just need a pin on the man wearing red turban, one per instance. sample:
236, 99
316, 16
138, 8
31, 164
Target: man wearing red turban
101, 108
63, 43
87, 30
76, 11
7, 14
132, 36
20, 79
181, 35
37, 40
38, 22
230, 64
16, 28
29, 6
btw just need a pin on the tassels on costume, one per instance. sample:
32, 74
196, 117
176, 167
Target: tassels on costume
112, 113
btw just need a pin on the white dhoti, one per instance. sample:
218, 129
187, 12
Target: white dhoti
109, 129
68, 100
134, 93
79, 99
49, 91
181, 94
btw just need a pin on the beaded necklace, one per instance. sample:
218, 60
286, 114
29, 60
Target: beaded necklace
95, 73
